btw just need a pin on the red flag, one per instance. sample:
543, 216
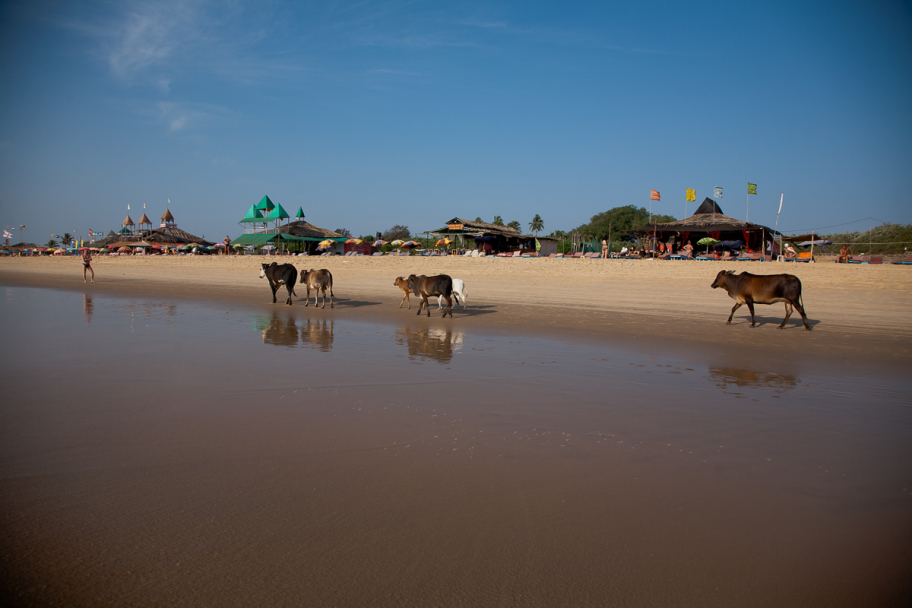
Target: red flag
654, 195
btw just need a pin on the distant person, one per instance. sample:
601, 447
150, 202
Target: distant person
689, 248
844, 254
227, 245
87, 265
790, 251
604, 249
624, 250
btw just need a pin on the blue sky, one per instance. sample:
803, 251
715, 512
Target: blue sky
370, 114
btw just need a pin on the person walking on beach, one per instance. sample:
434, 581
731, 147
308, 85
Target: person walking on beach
87, 265
604, 249
227, 245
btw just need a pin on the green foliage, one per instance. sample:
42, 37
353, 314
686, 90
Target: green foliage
52, 244
498, 221
343, 232
537, 224
886, 239
396, 232
66, 238
515, 226
478, 219
620, 220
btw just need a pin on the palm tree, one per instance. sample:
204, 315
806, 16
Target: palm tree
515, 226
66, 238
536, 225
52, 244
498, 221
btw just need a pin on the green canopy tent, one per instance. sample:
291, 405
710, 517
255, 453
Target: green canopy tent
279, 238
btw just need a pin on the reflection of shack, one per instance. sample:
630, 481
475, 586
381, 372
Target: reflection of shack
745, 377
318, 333
436, 344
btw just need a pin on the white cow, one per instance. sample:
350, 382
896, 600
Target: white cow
459, 292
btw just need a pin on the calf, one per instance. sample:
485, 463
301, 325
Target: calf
750, 289
438, 285
318, 280
459, 294
280, 274
402, 284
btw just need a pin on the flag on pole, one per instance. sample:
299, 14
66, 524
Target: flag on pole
169, 201
781, 198
691, 194
7, 235
717, 192
654, 195
751, 188
144, 205
128, 206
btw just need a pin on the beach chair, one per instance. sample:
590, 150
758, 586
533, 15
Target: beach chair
552, 255
906, 261
876, 259
805, 256
859, 259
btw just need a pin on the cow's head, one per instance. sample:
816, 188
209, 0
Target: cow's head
720, 278
263, 270
412, 282
399, 282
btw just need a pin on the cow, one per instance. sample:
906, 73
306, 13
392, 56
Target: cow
437, 285
280, 274
318, 280
750, 289
459, 294
402, 284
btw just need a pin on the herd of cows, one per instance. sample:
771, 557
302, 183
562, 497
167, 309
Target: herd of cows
744, 288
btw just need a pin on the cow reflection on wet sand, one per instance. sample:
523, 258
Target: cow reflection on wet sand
749, 378
436, 344
286, 330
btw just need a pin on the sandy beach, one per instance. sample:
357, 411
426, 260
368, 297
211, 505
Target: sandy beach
586, 433
861, 315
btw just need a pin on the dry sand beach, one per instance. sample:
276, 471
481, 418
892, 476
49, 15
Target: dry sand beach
587, 433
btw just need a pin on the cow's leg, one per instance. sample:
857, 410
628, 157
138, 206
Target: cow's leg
307, 299
449, 308
750, 307
324, 297
734, 308
804, 318
275, 288
288, 301
788, 313
332, 302
402, 301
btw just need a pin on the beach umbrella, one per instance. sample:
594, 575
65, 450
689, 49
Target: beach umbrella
818, 243
42, 249
411, 244
124, 249
353, 241
707, 240
269, 246
444, 241
396, 243
380, 243
326, 243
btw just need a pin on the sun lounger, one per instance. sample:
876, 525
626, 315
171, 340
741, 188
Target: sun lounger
679, 256
906, 261
860, 259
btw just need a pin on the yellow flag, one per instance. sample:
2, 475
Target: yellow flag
691, 194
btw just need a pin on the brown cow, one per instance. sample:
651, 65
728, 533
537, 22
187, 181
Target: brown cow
402, 284
318, 280
437, 285
750, 289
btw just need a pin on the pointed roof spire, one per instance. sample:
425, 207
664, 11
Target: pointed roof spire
144, 219
278, 214
266, 204
300, 214
128, 222
167, 217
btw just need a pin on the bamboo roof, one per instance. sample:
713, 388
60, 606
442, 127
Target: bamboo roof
708, 218
167, 217
470, 227
145, 219
302, 228
128, 222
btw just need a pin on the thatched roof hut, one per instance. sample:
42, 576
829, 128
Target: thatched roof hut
710, 221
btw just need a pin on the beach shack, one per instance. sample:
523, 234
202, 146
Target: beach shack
709, 221
494, 238
295, 235
166, 235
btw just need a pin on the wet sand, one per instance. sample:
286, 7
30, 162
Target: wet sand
212, 449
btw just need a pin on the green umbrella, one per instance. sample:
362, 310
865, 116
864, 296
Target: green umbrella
707, 240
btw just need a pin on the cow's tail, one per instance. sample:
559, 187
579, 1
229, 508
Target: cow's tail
331, 294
